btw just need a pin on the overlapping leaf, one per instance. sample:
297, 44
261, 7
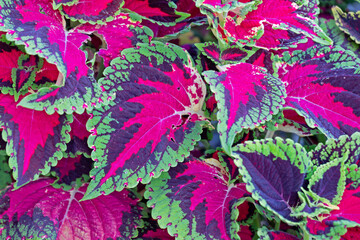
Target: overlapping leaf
348, 22
5, 171
42, 212
194, 200
118, 34
42, 30
247, 96
274, 24
322, 85
159, 12
274, 171
154, 121
35, 140
265, 234
79, 135
92, 11
336, 223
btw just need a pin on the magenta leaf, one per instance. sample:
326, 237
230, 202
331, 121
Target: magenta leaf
322, 85
348, 22
162, 12
194, 199
92, 11
42, 30
42, 212
35, 140
347, 215
58, 3
79, 135
274, 24
131, 142
247, 96
274, 172
118, 34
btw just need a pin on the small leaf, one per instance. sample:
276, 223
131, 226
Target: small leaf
194, 200
348, 22
265, 234
247, 96
40, 211
274, 171
328, 181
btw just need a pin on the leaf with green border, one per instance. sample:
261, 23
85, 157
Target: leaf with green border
322, 85
247, 96
348, 22
131, 141
274, 171
35, 140
35, 24
328, 182
195, 201
92, 11
266, 234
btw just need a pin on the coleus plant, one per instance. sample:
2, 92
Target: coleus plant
118, 124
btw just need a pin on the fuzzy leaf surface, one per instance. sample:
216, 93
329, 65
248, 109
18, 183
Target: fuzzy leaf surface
194, 201
247, 96
274, 171
35, 140
39, 210
132, 142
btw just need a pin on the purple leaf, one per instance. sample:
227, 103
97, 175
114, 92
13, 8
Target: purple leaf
42, 30
348, 22
247, 96
79, 135
322, 85
118, 34
132, 140
274, 24
40, 211
274, 171
35, 140
194, 199
92, 11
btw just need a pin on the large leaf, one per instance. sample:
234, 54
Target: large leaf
42, 212
322, 85
35, 140
194, 201
118, 34
274, 171
274, 24
92, 11
348, 22
42, 30
247, 96
154, 121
